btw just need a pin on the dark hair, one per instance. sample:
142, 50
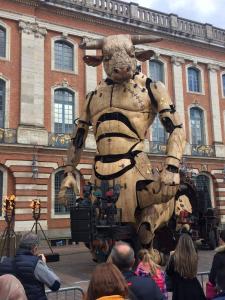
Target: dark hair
122, 255
106, 280
222, 235
220, 279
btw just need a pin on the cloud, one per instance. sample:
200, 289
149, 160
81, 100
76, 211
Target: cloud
204, 11
200, 7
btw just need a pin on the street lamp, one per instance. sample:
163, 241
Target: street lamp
34, 167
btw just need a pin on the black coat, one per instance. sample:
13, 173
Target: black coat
143, 288
218, 263
184, 288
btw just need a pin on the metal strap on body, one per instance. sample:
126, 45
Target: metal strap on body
114, 158
116, 116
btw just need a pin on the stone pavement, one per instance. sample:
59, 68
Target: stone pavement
76, 265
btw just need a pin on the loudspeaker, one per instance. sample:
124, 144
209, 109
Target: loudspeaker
82, 223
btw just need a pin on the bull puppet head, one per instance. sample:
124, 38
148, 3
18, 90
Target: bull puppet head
118, 54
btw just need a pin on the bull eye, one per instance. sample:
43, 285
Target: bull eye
106, 58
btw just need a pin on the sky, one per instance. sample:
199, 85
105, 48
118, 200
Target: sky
204, 11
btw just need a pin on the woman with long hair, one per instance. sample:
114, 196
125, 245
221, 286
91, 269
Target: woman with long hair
182, 271
147, 267
107, 283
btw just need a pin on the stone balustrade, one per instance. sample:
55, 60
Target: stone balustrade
132, 13
203, 150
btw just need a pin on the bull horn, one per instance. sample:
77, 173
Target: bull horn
91, 44
142, 39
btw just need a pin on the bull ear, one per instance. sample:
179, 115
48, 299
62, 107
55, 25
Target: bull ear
92, 60
144, 55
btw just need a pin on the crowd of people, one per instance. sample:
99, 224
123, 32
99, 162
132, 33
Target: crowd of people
24, 276
149, 282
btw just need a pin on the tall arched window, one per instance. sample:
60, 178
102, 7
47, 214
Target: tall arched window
156, 70
223, 83
194, 80
59, 208
2, 42
64, 57
1, 191
197, 126
204, 192
63, 111
2, 103
158, 132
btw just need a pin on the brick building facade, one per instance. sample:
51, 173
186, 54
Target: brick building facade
43, 83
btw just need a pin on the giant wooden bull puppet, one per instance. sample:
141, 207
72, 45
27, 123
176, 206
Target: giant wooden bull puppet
121, 109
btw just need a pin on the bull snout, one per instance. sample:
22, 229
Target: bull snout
122, 70
122, 73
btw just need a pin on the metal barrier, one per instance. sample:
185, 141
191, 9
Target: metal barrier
203, 277
77, 293
68, 293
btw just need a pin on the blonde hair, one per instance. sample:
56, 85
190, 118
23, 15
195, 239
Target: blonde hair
185, 257
146, 259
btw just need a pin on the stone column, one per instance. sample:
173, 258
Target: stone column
178, 86
209, 31
91, 83
31, 129
91, 74
179, 93
134, 10
173, 21
215, 110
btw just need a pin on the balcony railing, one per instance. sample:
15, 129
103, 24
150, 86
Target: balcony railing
8, 136
63, 140
196, 150
59, 140
203, 150
157, 148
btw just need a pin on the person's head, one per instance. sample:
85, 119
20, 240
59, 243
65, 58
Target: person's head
106, 280
185, 257
122, 255
29, 241
145, 257
222, 238
220, 279
11, 288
